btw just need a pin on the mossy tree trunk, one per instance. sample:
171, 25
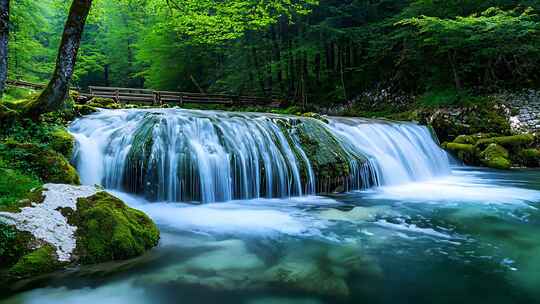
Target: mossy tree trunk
4, 36
56, 92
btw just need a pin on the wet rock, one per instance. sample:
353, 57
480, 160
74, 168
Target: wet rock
71, 224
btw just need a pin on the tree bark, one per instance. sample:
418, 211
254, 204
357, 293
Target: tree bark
4, 36
56, 92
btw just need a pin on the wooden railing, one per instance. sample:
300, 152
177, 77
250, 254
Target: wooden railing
25, 84
162, 97
132, 95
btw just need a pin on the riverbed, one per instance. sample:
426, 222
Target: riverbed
471, 237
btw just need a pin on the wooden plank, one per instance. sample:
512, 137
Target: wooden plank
114, 89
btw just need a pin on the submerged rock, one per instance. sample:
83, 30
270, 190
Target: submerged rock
72, 224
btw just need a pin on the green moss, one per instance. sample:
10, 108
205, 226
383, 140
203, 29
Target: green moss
105, 103
496, 156
15, 189
509, 142
13, 245
466, 139
83, 110
530, 157
38, 160
63, 142
39, 261
329, 159
109, 230
138, 160
464, 152
315, 116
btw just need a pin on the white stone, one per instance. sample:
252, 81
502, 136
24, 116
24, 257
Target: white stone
46, 223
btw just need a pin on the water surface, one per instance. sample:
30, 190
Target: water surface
472, 237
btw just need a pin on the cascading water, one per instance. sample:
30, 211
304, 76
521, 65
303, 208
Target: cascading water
400, 152
194, 156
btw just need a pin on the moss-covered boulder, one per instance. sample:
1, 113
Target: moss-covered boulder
71, 225
509, 142
105, 103
315, 116
40, 261
83, 110
530, 157
109, 230
330, 160
464, 152
50, 166
449, 123
63, 142
139, 176
496, 157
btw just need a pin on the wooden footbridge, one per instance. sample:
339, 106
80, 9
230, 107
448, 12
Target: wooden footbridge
154, 97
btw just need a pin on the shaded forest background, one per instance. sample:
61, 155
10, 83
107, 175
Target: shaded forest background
320, 53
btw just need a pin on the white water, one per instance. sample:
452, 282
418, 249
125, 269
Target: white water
182, 155
401, 152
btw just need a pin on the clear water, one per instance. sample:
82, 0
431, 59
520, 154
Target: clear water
472, 237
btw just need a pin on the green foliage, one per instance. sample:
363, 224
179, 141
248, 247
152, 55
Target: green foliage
109, 230
448, 98
37, 160
303, 51
491, 48
14, 186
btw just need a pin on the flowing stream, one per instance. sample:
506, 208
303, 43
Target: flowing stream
411, 228
183, 156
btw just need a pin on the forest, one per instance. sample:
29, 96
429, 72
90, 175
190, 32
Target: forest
306, 52
270, 151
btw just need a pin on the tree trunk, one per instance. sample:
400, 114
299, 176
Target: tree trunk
56, 92
4, 33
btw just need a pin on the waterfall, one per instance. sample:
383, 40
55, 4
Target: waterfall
194, 156
400, 152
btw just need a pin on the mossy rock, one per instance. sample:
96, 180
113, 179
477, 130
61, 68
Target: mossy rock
139, 177
466, 139
83, 110
13, 245
464, 152
109, 230
316, 116
22, 256
40, 261
496, 157
105, 103
330, 161
509, 142
530, 157
62, 142
50, 166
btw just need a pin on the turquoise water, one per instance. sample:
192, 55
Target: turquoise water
473, 237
